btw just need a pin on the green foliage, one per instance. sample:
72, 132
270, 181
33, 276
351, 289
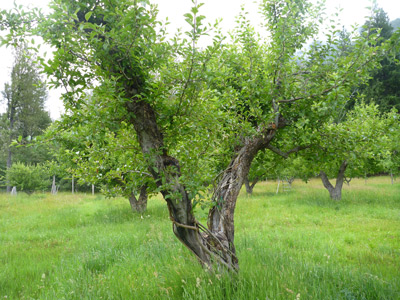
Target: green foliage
392, 163
362, 140
28, 178
379, 23
382, 88
97, 154
248, 83
25, 118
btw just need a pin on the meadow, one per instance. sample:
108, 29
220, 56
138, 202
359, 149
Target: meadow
293, 245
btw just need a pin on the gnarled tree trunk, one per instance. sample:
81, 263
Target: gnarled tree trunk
165, 169
139, 205
215, 243
335, 192
221, 216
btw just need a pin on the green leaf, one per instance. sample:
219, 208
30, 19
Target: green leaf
88, 15
189, 17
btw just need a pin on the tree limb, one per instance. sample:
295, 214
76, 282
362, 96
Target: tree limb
286, 154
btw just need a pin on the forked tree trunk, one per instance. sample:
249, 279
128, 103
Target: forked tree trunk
214, 244
139, 205
335, 192
250, 185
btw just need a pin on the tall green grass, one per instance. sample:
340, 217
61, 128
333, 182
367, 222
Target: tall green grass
295, 245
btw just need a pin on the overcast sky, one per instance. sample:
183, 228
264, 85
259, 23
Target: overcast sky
353, 12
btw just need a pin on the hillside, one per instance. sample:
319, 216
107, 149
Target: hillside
395, 23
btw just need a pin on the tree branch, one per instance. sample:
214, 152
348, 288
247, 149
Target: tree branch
310, 96
286, 154
325, 181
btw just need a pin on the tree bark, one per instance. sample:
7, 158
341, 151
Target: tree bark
166, 172
73, 185
335, 192
139, 205
221, 215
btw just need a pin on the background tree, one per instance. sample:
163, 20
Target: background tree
382, 88
269, 165
351, 148
391, 164
96, 156
28, 178
25, 116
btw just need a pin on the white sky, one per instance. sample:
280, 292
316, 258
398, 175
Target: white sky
353, 12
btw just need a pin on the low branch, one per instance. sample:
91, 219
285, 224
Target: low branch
325, 180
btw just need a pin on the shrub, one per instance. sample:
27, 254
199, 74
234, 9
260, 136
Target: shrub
28, 178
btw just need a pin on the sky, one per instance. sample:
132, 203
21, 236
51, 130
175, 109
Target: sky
353, 12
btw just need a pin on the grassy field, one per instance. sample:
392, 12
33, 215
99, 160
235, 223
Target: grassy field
294, 245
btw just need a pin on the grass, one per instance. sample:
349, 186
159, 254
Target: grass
295, 245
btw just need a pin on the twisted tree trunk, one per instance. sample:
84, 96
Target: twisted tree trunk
165, 169
215, 243
335, 192
221, 216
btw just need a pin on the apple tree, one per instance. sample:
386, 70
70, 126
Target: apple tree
240, 95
